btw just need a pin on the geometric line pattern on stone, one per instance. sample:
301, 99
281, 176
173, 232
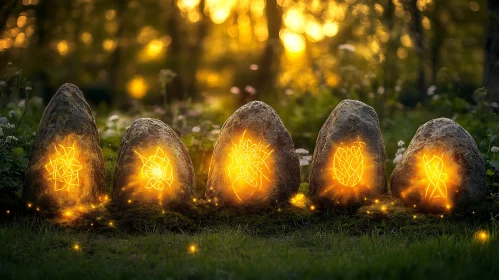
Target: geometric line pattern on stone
157, 169
434, 169
64, 168
248, 163
348, 164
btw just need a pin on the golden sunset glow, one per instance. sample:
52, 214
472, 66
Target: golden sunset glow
348, 164
137, 87
63, 168
157, 169
249, 167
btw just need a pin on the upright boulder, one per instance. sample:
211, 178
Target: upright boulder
254, 160
348, 165
153, 166
66, 166
441, 168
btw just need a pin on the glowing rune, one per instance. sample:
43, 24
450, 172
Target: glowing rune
157, 169
348, 164
249, 164
434, 171
63, 169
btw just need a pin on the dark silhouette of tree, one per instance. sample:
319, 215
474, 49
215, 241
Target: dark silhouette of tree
491, 65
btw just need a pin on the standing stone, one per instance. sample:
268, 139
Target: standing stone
441, 169
66, 165
153, 166
254, 159
348, 164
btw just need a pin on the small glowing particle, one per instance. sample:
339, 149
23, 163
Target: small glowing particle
414, 217
312, 207
279, 210
376, 201
414, 205
442, 216
68, 213
129, 201
81, 208
76, 247
447, 206
163, 212
365, 198
368, 212
38, 209
8, 212
473, 212
29, 205
92, 224
193, 249
111, 223
93, 206
194, 200
383, 208
482, 236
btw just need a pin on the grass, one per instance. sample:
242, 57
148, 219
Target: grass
280, 242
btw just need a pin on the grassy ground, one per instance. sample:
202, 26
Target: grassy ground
281, 242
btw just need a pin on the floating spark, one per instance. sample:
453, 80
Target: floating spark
157, 169
64, 168
434, 171
248, 163
349, 164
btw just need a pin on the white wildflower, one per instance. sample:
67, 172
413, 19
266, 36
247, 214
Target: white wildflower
288, 91
21, 103
3, 120
304, 162
251, 90
254, 67
494, 104
381, 90
10, 138
235, 90
494, 149
215, 131
113, 118
12, 113
397, 159
431, 90
309, 158
347, 47
196, 129
400, 143
301, 151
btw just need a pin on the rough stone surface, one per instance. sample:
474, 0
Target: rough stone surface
264, 126
144, 136
67, 120
457, 146
350, 122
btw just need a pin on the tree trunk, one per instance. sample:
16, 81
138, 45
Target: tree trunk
115, 86
176, 87
270, 61
491, 63
437, 40
418, 41
197, 53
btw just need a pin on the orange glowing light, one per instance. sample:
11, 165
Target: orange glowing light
348, 164
64, 168
193, 249
157, 169
434, 171
482, 236
299, 200
249, 165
